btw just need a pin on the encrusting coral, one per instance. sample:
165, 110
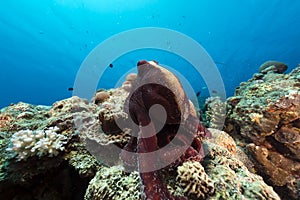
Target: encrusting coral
27, 143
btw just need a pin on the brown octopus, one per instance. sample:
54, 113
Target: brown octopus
178, 140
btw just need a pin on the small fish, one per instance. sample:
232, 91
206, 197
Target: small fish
70, 89
198, 94
111, 65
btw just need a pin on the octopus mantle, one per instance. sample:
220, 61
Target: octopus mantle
166, 137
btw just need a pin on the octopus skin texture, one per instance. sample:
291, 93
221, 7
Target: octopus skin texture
179, 137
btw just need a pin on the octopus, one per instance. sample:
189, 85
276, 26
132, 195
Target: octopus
164, 139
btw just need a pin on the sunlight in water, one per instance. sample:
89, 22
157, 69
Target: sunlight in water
106, 6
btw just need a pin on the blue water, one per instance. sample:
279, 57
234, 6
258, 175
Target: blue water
43, 43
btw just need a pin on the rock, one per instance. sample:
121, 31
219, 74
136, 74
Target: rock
273, 66
101, 97
266, 117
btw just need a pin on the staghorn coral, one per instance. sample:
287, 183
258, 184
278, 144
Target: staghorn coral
27, 143
114, 184
194, 180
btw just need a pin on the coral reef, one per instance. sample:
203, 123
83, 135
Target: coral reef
115, 184
84, 137
215, 112
47, 131
265, 115
194, 180
221, 138
272, 66
112, 110
231, 178
127, 84
101, 97
27, 143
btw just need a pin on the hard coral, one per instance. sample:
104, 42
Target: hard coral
273, 66
215, 112
27, 143
114, 184
194, 180
5, 120
127, 84
111, 110
267, 114
231, 178
101, 97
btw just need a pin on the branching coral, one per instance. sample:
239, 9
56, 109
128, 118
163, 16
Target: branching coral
27, 143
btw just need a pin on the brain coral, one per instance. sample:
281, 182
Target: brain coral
194, 180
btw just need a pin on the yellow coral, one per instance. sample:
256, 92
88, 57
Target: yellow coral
194, 180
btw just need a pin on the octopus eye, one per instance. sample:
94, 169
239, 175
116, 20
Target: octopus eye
142, 62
